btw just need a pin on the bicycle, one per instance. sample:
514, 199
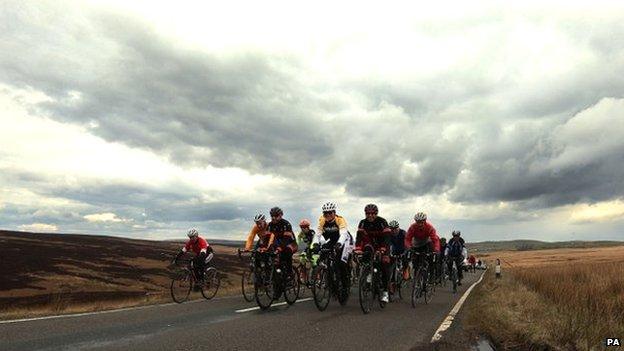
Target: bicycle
271, 280
186, 278
420, 283
370, 286
328, 281
397, 279
453, 275
247, 278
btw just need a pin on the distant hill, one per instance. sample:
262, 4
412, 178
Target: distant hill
526, 245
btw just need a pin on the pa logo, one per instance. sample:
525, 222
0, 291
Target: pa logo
613, 342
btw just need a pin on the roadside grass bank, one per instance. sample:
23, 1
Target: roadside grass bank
58, 304
549, 306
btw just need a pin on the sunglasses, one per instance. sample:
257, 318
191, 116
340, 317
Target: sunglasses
370, 213
328, 213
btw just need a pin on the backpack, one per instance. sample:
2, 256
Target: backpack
455, 248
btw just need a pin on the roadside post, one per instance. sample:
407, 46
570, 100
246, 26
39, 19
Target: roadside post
498, 269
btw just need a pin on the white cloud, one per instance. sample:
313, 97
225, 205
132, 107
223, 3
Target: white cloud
104, 217
599, 212
38, 227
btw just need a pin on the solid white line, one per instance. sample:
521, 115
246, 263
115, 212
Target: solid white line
277, 304
446, 323
69, 315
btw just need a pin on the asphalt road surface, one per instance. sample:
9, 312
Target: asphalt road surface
216, 325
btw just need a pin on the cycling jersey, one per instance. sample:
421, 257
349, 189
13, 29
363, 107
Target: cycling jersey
333, 232
397, 242
422, 235
264, 237
282, 233
304, 240
196, 246
374, 232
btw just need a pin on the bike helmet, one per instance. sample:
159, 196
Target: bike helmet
259, 217
420, 216
192, 233
276, 211
456, 233
371, 208
329, 206
393, 224
304, 223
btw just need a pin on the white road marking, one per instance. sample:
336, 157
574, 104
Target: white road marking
446, 323
277, 304
106, 311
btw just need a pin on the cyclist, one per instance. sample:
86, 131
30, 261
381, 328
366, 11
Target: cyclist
282, 238
305, 237
473, 262
332, 229
260, 230
373, 231
456, 252
202, 250
397, 244
304, 241
441, 257
422, 238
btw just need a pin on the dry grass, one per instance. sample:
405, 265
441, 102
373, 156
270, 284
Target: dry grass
552, 299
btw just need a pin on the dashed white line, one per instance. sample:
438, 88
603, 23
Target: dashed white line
446, 323
277, 304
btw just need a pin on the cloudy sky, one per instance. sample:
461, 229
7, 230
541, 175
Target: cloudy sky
142, 119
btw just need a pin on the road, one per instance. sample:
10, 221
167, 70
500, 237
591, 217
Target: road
216, 325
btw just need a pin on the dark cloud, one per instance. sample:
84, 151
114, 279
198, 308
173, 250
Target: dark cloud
480, 132
580, 160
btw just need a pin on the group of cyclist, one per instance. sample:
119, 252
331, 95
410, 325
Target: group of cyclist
375, 236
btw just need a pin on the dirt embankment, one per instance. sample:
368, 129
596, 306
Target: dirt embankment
568, 299
52, 273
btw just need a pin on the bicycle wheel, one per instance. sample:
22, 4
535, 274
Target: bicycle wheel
263, 288
181, 287
247, 285
212, 281
454, 278
365, 289
321, 288
343, 291
398, 284
427, 292
417, 287
291, 286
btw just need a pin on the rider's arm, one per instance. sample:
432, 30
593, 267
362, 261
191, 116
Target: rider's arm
435, 239
409, 236
271, 239
317, 237
344, 233
203, 245
250, 237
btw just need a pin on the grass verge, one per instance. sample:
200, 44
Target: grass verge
550, 307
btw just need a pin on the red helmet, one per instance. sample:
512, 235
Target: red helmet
304, 223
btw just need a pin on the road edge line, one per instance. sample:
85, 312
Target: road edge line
446, 323
81, 314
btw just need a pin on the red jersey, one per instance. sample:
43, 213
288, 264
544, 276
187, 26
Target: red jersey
197, 246
423, 233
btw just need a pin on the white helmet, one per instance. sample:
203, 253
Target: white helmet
420, 216
329, 206
192, 233
259, 217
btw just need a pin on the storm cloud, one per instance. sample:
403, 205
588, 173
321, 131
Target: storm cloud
490, 108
